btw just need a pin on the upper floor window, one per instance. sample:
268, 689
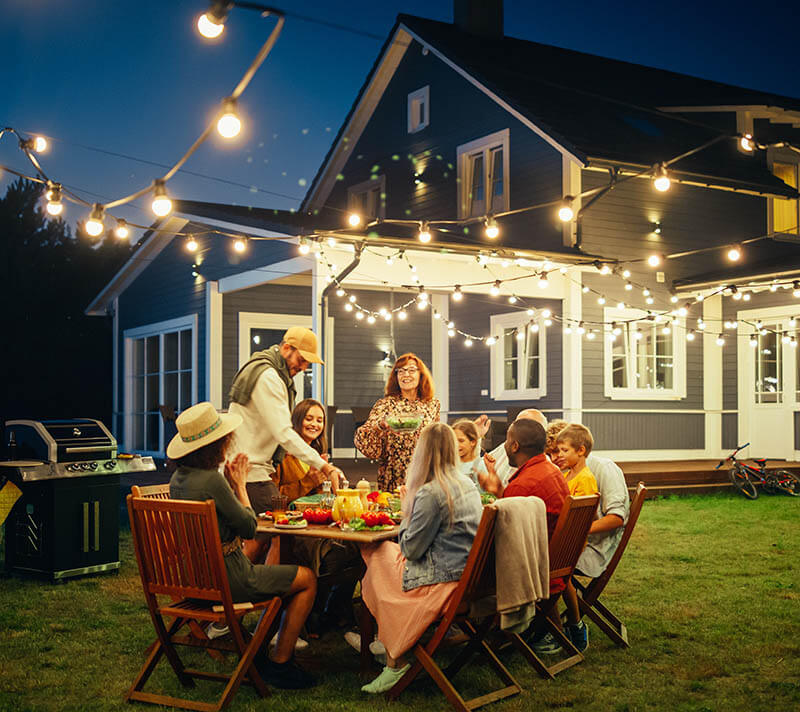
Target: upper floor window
419, 109
483, 175
646, 360
518, 359
785, 213
368, 199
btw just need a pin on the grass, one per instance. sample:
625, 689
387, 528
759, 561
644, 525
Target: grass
709, 589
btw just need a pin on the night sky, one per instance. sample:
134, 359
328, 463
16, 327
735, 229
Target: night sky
135, 78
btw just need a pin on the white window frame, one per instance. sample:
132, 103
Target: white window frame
786, 157
261, 320
678, 390
159, 329
499, 139
359, 188
423, 96
518, 319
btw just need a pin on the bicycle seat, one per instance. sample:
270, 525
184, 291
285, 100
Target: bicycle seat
759, 461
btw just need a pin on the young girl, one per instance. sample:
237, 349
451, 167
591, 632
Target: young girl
469, 449
408, 585
293, 477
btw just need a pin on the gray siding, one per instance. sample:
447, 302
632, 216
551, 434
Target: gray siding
646, 431
469, 366
459, 113
265, 298
730, 431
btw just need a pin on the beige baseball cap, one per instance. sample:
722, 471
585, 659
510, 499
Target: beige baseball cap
305, 341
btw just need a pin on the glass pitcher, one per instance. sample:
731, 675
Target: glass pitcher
347, 505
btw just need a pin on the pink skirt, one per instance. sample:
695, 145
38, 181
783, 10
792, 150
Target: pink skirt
402, 616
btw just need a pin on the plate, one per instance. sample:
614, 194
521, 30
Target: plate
301, 524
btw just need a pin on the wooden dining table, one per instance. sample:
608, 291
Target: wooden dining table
326, 531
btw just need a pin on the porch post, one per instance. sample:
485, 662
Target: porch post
712, 376
572, 371
213, 344
318, 374
440, 352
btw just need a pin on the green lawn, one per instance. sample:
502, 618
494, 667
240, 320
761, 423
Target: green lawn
709, 589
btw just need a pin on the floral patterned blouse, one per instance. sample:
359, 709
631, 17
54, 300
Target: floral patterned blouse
393, 450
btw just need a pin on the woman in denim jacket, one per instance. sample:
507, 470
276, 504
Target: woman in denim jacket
408, 585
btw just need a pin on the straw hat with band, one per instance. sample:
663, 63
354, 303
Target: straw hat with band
305, 341
198, 426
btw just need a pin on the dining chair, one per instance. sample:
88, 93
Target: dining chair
566, 544
179, 554
589, 594
151, 491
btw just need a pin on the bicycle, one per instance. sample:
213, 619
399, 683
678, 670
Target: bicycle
745, 477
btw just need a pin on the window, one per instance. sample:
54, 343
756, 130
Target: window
419, 109
646, 360
368, 199
785, 212
483, 175
768, 375
518, 361
160, 368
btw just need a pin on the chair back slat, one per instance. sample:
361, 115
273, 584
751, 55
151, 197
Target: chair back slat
569, 535
597, 585
178, 548
151, 491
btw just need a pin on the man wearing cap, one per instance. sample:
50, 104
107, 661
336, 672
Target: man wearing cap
263, 394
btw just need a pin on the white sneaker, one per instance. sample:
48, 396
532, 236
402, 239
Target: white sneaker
375, 647
213, 631
353, 639
299, 644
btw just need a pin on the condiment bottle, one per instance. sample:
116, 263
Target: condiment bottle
363, 488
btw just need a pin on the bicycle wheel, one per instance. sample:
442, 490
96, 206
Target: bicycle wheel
742, 483
786, 482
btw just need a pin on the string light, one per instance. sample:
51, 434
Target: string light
402, 315
734, 253
591, 335
229, 125
457, 294
490, 341
304, 248
331, 242
565, 212
354, 219
494, 290
753, 340
512, 299
604, 269
424, 234
191, 244
340, 292
746, 142
240, 244
661, 181
121, 231
468, 342
54, 205
628, 286
654, 260
94, 224
601, 300
690, 335
360, 315
544, 283
796, 288
492, 230
161, 205
720, 340
212, 23
389, 260
348, 307
626, 273
370, 319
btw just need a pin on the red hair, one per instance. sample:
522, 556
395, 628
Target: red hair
425, 386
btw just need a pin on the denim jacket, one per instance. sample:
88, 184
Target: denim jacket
435, 552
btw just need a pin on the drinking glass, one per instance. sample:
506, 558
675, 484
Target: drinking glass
279, 504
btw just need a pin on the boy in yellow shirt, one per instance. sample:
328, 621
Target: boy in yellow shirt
574, 445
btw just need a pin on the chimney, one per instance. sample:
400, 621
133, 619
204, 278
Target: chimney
479, 17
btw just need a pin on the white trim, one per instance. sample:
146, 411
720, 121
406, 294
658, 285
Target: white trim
571, 184
631, 392
319, 313
484, 144
214, 344
520, 320
328, 357
572, 349
712, 377
162, 327
440, 351
264, 275
115, 428
511, 110
265, 320
422, 95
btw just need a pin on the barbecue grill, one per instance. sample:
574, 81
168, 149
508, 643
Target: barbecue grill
66, 523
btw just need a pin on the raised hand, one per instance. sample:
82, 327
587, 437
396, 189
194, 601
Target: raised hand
482, 423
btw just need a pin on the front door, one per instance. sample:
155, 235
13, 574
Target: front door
767, 384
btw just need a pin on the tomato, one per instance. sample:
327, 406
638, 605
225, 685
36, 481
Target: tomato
282, 521
373, 496
310, 515
384, 518
370, 519
325, 516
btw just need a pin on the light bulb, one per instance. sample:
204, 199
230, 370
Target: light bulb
240, 244
490, 341
331, 242
654, 260
620, 305
494, 290
585, 289
649, 300
424, 234
359, 315
720, 340
591, 335
40, 144
512, 299
390, 260
354, 219
467, 342
191, 245
544, 283
457, 294
304, 248
520, 335
348, 307
351, 298
161, 204
94, 225
340, 292
402, 315
370, 319
601, 300
604, 269
615, 328
626, 273
451, 333
121, 231
747, 143
54, 204
492, 231
753, 341
581, 329
673, 299
661, 180
628, 286
546, 313
565, 212
210, 26
229, 125
690, 335
734, 253
567, 329
796, 288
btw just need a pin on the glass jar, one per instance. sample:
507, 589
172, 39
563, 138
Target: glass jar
347, 505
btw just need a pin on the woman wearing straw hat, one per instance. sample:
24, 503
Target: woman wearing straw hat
198, 450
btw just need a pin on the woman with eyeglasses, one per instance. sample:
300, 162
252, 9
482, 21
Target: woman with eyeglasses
409, 392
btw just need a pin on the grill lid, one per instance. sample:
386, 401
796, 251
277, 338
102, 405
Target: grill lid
60, 440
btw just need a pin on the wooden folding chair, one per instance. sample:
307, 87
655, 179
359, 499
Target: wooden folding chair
588, 594
151, 491
476, 582
179, 554
566, 544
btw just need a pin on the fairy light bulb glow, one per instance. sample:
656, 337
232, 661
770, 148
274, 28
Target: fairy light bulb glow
491, 341
495, 288
304, 248
492, 231
424, 234
121, 231
191, 245
690, 335
467, 342
565, 212
457, 294
40, 144
94, 225
746, 142
626, 274
208, 27
370, 319
402, 315
354, 219
544, 283
54, 204
796, 288
720, 340
240, 244
661, 180
161, 205
229, 125
734, 253
340, 292
628, 286
604, 269
359, 315
654, 260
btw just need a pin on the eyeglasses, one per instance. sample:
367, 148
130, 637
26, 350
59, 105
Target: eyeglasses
408, 370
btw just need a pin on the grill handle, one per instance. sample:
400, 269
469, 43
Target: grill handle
88, 448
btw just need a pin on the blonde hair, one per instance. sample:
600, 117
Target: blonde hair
577, 436
435, 459
555, 427
467, 427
